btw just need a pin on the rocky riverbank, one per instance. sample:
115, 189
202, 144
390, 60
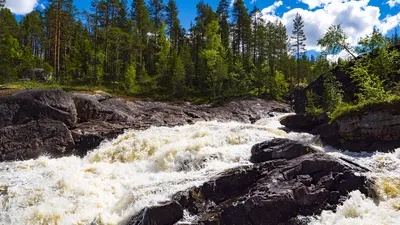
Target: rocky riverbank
56, 123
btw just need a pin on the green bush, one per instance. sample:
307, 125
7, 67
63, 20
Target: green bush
333, 93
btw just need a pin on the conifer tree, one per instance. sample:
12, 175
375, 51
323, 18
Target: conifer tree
141, 27
299, 39
173, 23
2, 3
223, 17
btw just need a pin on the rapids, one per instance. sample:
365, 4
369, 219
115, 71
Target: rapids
143, 168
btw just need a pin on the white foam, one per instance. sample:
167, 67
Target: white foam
121, 177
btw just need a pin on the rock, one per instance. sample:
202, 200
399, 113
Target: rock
89, 108
35, 138
304, 123
93, 118
293, 184
278, 149
89, 135
24, 106
166, 214
374, 128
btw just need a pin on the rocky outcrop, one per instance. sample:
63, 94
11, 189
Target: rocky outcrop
288, 180
84, 120
35, 138
22, 107
374, 128
165, 214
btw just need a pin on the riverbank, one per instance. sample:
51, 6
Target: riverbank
52, 121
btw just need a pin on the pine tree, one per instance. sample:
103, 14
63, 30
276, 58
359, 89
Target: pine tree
156, 11
223, 17
299, 39
173, 23
141, 25
2, 3
241, 31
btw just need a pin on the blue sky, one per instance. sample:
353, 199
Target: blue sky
358, 17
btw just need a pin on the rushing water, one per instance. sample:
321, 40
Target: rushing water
143, 168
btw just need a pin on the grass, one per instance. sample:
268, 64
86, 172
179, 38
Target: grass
362, 108
37, 85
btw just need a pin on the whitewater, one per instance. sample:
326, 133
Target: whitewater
143, 168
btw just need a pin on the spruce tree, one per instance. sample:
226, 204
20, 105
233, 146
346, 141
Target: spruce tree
223, 17
141, 27
156, 11
299, 38
173, 23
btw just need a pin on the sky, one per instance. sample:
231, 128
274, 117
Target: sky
357, 17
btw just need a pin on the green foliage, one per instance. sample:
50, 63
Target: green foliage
333, 93
370, 86
312, 107
335, 40
279, 86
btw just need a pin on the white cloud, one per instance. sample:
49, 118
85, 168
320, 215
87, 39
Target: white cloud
392, 3
343, 55
318, 3
21, 7
357, 18
271, 9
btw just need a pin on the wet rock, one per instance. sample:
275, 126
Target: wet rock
276, 190
89, 135
35, 138
278, 148
166, 214
304, 123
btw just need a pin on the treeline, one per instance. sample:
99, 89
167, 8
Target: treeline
143, 49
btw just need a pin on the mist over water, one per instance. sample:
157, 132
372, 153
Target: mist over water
144, 168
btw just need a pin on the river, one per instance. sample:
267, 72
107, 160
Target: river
143, 168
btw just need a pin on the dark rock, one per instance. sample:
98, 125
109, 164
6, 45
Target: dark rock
375, 128
89, 135
89, 108
275, 191
304, 123
35, 138
278, 149
165, 214
22, 107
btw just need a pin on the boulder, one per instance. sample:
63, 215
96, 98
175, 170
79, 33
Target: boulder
24, 106
165, 214
89, 108
35, 138
278, 148
293, 182
304, 123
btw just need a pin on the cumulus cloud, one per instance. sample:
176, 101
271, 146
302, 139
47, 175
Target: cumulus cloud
271, 9
392, 3
21, 7
357, 18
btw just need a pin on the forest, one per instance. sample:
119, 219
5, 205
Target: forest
142, 50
